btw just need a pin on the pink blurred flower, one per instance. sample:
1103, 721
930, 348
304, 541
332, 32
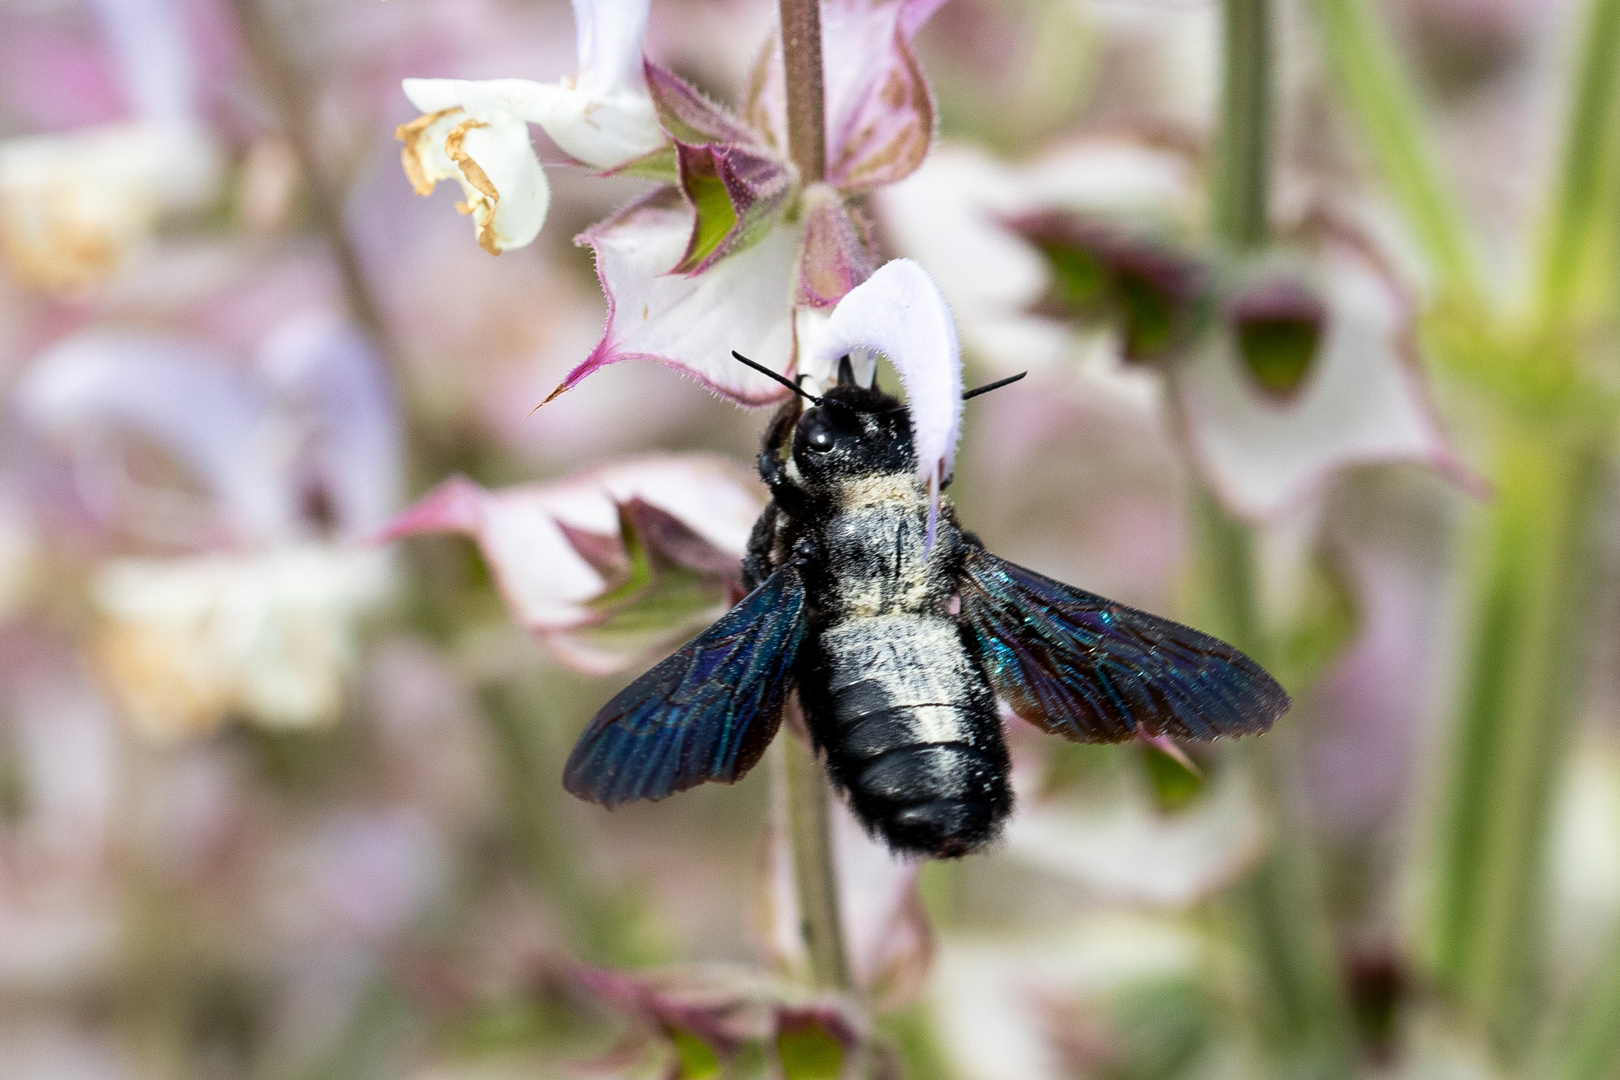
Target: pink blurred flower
581, 562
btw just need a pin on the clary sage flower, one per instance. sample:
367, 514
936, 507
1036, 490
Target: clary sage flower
73, 206
1278, 371
477, 132
736, 251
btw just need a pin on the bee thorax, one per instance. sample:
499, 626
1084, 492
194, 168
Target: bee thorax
876, 562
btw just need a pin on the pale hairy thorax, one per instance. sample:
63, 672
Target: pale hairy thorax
900, 491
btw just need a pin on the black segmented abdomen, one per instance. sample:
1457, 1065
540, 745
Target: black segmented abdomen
909, 726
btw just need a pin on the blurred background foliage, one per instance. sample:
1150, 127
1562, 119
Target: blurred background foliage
277, 801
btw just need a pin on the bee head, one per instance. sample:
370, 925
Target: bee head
849, 432
853, 432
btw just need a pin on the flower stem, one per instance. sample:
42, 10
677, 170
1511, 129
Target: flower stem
1242, 180
1574, 234
809, 826
806, 89
1278, 908
1278, 911
815, 873
1531, 577
1384, 105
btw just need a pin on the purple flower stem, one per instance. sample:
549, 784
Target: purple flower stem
806, 89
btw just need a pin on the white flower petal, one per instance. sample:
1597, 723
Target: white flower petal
1363, 401
609, 34
900, 312
474, 132
482, 99
604, 118
601, 129
503, 183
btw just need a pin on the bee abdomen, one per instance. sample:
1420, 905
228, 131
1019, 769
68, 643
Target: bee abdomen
911, 732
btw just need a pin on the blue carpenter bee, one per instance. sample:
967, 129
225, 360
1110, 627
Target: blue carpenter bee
898, 649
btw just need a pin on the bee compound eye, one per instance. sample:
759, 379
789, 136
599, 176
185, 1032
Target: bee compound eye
818, 434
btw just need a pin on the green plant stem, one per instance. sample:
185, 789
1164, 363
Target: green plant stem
1515, 707
1298, 997
1280, 919
806, 90
815, 872
1574, 235
1242, 166
1381, 98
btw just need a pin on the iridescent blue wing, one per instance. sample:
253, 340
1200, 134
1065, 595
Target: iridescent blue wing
705, 713
1091, 670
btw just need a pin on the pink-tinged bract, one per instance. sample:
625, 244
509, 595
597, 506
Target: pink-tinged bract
837, 252
692, 322
548, 545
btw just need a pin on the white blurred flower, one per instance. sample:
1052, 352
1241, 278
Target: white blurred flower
184, 642
74, 206
296, 460
993, 1000
1282, 373
477, 132
1128, 850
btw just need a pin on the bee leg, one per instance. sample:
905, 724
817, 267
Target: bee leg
773, 470
757, 564
806, 550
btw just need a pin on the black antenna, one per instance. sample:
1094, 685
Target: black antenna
783, 379
997, 385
